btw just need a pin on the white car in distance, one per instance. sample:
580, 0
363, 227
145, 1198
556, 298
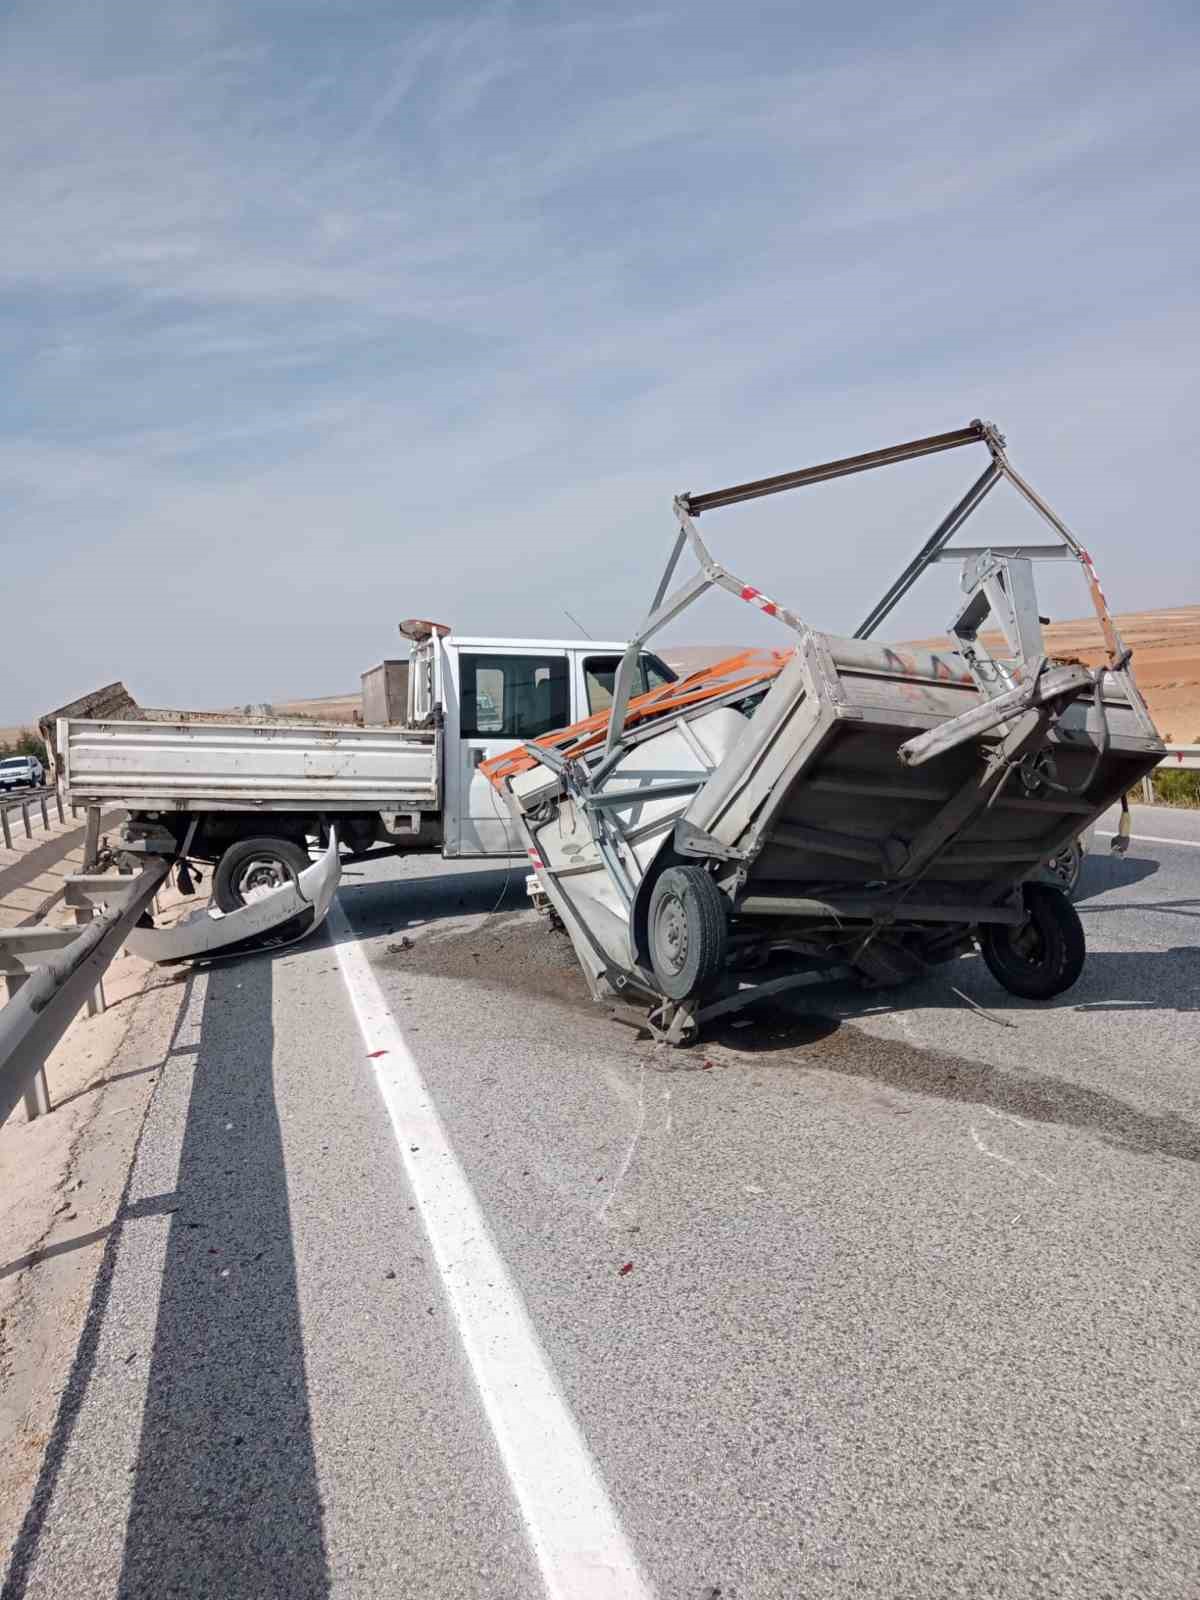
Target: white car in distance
21, 772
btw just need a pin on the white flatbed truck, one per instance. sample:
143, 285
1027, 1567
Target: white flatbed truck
249, 794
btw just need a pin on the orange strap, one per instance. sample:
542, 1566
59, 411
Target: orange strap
742, 671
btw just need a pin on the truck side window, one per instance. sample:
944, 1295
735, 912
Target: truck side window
513, 697
600, 674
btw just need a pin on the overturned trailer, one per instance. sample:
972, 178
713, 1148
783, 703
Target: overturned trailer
842, 804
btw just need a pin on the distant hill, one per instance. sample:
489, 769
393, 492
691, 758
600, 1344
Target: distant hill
1166, 660
327, 708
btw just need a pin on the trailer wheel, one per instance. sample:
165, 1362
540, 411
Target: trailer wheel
687, 931
1064, 869
253, 867
1045, 955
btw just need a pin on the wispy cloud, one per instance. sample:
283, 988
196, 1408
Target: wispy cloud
325, 309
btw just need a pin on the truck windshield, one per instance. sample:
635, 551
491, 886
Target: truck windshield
601, 671
15, 761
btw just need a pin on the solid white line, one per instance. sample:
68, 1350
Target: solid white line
572, 1525
1151, 838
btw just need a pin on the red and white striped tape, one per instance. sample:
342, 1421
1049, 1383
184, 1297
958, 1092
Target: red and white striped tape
757, 598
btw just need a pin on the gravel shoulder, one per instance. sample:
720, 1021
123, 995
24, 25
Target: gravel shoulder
61, 1181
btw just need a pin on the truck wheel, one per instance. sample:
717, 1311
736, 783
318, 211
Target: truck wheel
1045, 955
253, 867
687, 931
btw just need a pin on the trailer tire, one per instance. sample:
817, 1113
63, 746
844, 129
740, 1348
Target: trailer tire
687, 931
1063, 869
255, 863
1045, 955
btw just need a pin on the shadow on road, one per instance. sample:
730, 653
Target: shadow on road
225, 1496
1103, 871
395, 905
817, 1042
769, 1026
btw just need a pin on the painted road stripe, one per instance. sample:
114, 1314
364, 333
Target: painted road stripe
572, 1525
1151, 838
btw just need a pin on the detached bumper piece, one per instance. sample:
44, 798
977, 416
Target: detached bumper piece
281, 917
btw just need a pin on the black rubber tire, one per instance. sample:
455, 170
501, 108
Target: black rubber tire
286, 852
1045, 955
686, 902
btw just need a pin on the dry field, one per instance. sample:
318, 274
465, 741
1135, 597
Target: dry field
1166, 660
329, 708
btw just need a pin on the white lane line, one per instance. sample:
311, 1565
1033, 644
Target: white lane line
1151, 838
571, 1522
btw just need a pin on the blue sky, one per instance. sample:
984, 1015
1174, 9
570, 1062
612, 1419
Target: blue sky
318, 315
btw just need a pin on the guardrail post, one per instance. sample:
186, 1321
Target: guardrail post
37, 1096
45, 815
95, 1001
25, 818
4, 824
91, 839
58, 803
1148, 790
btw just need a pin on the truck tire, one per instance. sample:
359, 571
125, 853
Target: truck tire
1045, 955
252, 866
687, 932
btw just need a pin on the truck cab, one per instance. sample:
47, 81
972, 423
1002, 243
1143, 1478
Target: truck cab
490, 694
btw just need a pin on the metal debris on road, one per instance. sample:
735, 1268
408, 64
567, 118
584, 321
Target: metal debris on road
1001, 1022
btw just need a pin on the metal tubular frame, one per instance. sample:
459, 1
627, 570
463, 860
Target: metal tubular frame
665, 606
1022, 697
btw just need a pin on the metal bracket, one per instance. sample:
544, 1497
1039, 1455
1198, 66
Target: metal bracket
693, 841
999, 586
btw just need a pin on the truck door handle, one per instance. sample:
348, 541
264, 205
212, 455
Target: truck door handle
478, 754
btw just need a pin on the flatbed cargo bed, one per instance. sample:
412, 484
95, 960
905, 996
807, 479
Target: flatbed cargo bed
198, 763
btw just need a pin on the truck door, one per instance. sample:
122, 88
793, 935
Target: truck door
503, 696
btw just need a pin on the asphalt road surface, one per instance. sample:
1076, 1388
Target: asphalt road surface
438, 1281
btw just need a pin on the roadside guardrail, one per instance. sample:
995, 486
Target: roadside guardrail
50, 973
1186, 756
43, 799
1179, 758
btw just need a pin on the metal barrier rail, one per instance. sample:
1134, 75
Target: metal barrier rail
1181, 756
51, 972
42, 799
